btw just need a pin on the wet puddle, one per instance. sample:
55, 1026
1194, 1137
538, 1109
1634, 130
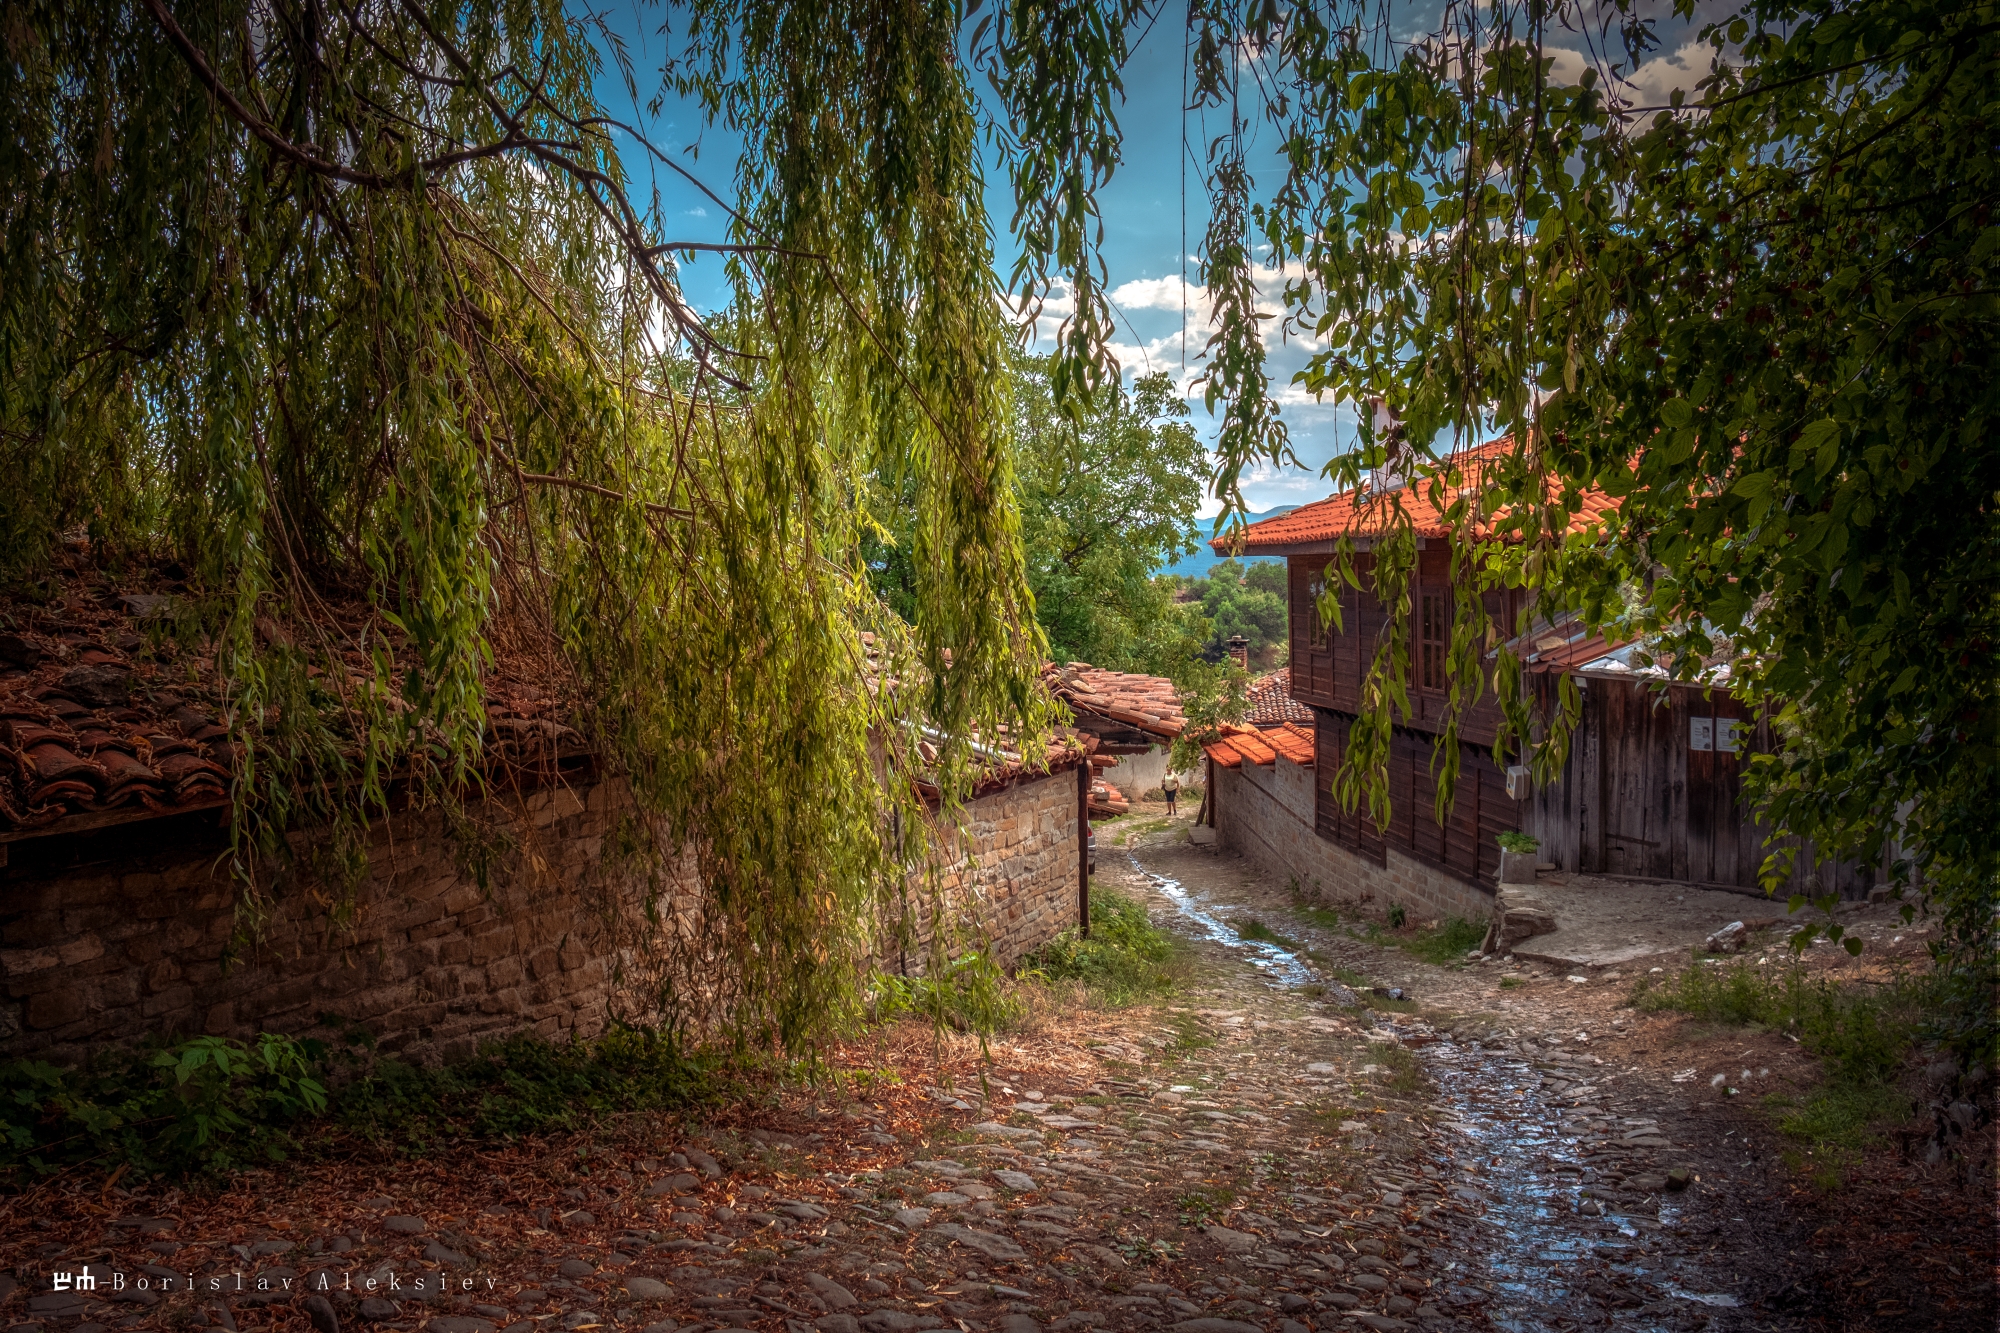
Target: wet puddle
1547, 1255
1281, 965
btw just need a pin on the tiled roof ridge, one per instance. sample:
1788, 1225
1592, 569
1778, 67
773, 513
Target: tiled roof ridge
1270, 700
1363, 510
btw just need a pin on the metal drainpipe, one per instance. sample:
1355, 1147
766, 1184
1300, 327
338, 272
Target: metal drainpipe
1083, 847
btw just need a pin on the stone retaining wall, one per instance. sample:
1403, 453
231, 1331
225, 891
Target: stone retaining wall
1266, 813
1013, 881
122, 934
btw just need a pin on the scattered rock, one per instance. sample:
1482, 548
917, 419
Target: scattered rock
990, 1244
404, 1225
994, 1129
320, 1311
839, 1297
1730, 939
438, 1254
99, 684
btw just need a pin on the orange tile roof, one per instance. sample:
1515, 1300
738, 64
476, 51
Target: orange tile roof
1362, 512
1292, 741
1238, 745
1149, 703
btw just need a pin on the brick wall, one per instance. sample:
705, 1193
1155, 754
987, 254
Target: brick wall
121, 934
1011, 881
1265, 812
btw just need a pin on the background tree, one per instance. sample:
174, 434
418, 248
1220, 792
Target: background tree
1107, 498
1246, 598
1107, 493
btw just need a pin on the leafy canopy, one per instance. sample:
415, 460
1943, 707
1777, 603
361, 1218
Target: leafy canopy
344, 316
1754, 315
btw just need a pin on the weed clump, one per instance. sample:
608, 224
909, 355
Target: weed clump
1448, 943
1259, 933
215, 1105
1126, 958
1862, 1035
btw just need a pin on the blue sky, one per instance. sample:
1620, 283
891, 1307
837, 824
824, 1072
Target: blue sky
1151, 227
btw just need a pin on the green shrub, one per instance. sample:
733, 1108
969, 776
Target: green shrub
214, 1105
1126, 959
1518, 842
1862, 1034
210, 1104
966, 995
521, 1086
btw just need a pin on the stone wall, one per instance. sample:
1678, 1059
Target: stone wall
1265, 812
115, 938
121, 934
1011, 885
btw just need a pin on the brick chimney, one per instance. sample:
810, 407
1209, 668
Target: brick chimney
1239, 650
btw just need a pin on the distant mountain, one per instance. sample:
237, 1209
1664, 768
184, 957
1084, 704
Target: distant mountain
1197, 565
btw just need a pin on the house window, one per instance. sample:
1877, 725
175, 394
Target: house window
1431, 643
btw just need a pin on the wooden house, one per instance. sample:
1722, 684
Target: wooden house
1651, 787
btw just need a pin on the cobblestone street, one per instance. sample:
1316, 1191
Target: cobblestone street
1315, 1132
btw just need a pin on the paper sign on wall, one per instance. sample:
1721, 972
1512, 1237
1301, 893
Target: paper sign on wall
1701, 733
1725, 733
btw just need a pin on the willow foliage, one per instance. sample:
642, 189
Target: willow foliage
345, 308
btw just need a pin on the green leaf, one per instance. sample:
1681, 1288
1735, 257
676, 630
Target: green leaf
1676, 412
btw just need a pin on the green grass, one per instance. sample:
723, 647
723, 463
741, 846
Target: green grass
1406, 1074
1257, 931
1449, 943
1126, 959
965, 995
1511, 983
1862, 1035
1204, 1204
1188, 1038
1326, 918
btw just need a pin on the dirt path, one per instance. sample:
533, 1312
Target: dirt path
1285, 1147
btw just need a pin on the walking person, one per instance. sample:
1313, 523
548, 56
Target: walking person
1170, 788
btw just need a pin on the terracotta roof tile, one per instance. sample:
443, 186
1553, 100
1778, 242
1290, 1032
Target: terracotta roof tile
95, 728
1238, 744
1289, 744
1146, 703
1362, 512
1271, 701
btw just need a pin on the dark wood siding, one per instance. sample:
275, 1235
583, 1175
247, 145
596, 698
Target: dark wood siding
1636, 796
1350, 829
1328, 668
1462, 846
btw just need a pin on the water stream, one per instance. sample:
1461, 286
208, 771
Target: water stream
1551, 1256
